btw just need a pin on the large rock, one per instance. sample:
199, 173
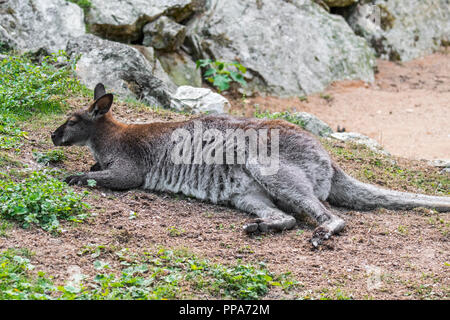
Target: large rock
199, 100
402, 30
164, 34
181, 69
158, 70
289, 47
123, 69
122, 20
32, 25
313, 124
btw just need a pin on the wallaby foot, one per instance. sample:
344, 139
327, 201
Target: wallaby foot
326, 230
74, 180
266, 225
270, 218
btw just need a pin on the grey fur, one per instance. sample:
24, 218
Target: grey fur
139, 156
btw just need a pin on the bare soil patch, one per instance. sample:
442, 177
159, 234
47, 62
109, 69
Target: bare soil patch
406, 109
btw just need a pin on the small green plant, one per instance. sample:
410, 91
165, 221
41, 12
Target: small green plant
175, 232
220, 74
42, 200
49, 157
303, 98
326, 97
402, 230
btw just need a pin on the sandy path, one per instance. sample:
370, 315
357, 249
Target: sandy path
406, 109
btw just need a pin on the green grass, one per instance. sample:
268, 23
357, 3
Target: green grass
369, 166
164, 274
28, 88
10, 135
83, 4
40, 199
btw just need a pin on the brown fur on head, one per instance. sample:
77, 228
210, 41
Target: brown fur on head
80, 126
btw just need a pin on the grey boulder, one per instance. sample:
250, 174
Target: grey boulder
361, 139
402, 30
289, 47
33, 25
308, 121
164, 34
123, 20
123, 69
198, 100
181, 68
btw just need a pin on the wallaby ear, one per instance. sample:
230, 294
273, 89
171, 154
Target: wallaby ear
99, 91
101, 106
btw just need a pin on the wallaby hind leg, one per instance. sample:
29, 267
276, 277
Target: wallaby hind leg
270, 217
293, 188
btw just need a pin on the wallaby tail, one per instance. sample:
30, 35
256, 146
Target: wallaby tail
351, 193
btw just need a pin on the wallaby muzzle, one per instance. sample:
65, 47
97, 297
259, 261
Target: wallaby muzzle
57, 136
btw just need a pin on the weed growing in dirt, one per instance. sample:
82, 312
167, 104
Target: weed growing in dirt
49, 157
175, 232
42, 200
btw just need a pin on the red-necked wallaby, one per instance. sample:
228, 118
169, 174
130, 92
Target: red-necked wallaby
173, 157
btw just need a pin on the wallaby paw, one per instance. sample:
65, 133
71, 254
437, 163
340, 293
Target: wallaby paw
95, 167
320, 235
326, 230
265, 225
74, 180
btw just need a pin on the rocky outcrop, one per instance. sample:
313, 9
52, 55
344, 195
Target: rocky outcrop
164, 34
402, 30
181, 68
199, 100
289, 47
123, 69
123, 20
33, 25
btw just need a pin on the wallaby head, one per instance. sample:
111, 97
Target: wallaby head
81, 125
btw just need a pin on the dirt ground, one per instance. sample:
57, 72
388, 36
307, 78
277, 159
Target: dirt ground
406, 109
380, 254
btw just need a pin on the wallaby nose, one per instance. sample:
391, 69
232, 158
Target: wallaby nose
53, 136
